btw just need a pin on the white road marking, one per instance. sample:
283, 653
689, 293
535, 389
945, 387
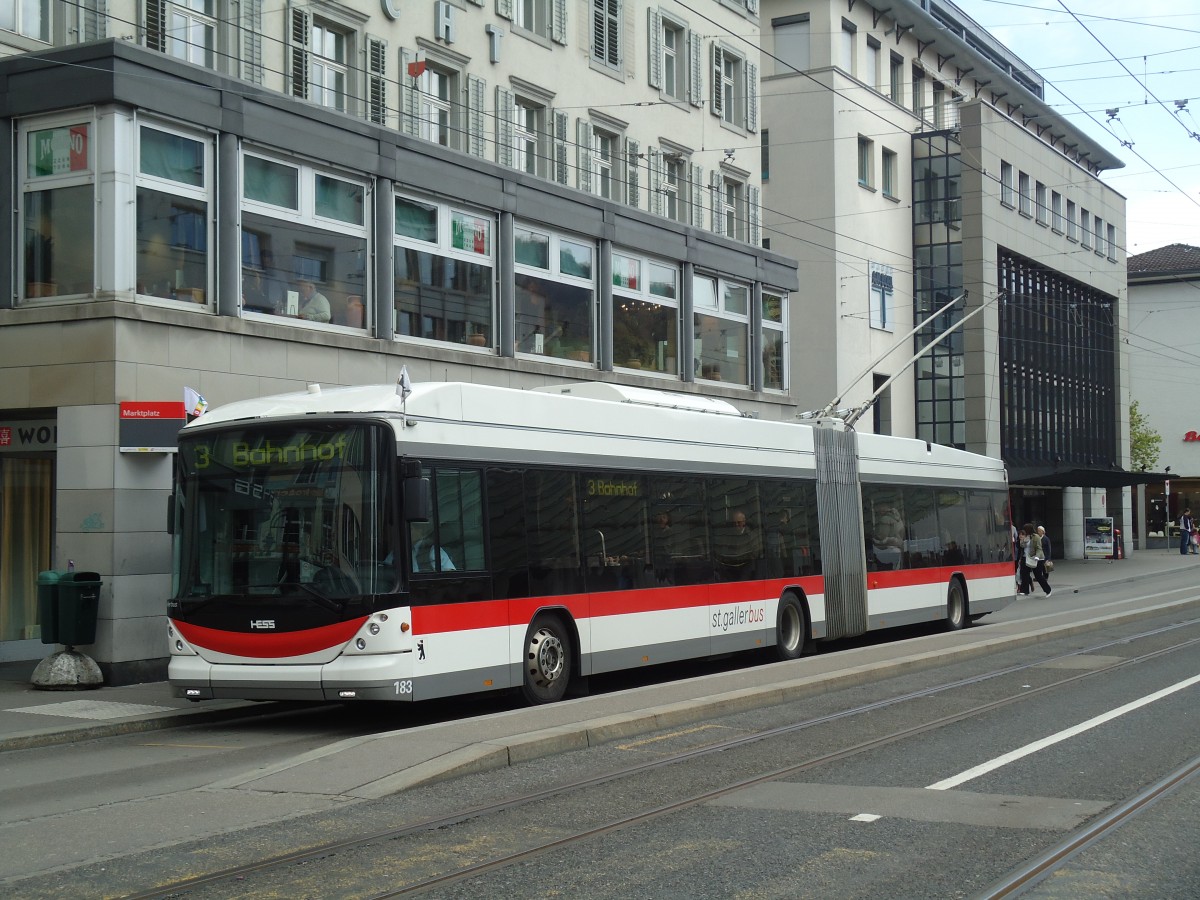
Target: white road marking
1020, 752
865, 817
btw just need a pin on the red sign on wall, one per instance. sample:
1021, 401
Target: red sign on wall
150, 427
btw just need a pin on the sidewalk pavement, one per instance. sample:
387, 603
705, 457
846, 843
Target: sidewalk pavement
35, 718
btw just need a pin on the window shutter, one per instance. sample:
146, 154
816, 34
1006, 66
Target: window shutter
477, 2
751, 97
377, 80
718, 206
408, 95
632, 162
299, 49
558, 22
718, 75
752, 7
654, 67
754, 208
654, 165
156, 25
95, 20
476, 138
696, 183
504, 9
583, 154
561, 169
252, 52
505, 112
696, 71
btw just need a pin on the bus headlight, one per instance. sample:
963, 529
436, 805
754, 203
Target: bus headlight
360, 644
373, 628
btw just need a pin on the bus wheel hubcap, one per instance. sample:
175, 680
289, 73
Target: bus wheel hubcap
547, 655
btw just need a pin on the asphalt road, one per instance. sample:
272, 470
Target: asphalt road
115, 817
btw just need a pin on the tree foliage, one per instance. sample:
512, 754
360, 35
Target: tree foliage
1145, 443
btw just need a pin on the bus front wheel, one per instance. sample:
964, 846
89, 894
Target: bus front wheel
956, 606
547, 663
790, 636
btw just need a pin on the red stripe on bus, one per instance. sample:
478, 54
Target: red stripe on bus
937, 575
270, 646
503, 613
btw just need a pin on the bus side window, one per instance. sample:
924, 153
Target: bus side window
883, 527
507, 533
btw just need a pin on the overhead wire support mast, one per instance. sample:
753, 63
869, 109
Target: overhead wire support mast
832, 405
858, 413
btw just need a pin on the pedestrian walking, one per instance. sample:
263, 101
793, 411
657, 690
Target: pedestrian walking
1187, 527
1032, 562
1047, 553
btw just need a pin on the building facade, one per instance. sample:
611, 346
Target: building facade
910, 162
242, 198
1162, 332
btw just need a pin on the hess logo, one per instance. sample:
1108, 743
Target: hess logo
262, 624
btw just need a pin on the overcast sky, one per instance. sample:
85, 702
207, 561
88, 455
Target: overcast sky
1156, 45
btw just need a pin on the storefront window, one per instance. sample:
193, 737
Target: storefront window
305, 252
58, 212
173, 227
645, 315
26, 523
444, 273
774, 325
555, 296
722, 334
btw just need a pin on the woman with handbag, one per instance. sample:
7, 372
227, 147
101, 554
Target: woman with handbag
1032, 562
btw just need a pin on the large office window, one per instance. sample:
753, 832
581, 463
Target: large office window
555, 281
304, 243
444, 273
174, 228
58, 209
645, 314
721, 329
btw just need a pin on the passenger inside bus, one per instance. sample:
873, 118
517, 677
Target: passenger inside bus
427, 555
739, 549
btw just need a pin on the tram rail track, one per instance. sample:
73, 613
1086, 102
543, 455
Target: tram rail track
282, 862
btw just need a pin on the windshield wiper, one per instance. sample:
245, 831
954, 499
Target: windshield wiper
322, 599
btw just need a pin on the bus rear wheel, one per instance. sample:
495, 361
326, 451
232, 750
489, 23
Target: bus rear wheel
547, 662
789, 628
956, 606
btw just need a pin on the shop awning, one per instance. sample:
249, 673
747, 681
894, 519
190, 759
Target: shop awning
1032, 476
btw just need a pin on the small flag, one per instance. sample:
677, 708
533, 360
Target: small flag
404, 385
193, 402
416, 69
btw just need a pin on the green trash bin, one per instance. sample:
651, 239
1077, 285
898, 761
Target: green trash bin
78, 607
47, 594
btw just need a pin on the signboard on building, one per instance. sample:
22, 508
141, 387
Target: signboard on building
25, 435
58, 151
1098, 537
148, 427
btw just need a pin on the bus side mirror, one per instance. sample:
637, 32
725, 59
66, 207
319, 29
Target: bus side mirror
171, 514
418, 499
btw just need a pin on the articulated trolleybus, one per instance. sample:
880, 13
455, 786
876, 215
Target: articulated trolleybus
354, 544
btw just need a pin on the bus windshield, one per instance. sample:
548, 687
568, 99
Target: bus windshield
283, 511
